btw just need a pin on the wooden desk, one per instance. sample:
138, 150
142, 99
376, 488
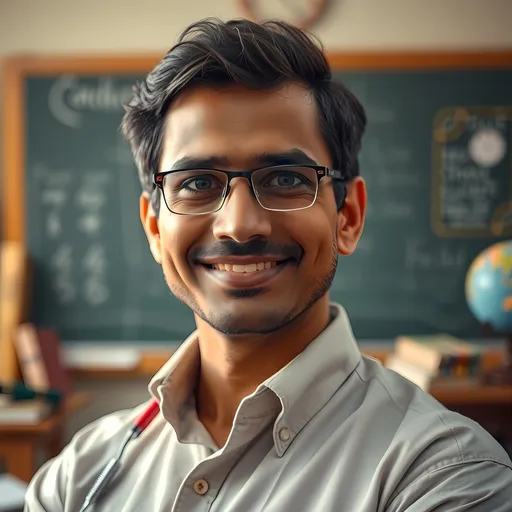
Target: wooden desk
19, 444
499, 396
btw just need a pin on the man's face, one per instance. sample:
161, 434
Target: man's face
237, 129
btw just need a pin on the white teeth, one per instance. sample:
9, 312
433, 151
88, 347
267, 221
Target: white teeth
252, 267
245, 268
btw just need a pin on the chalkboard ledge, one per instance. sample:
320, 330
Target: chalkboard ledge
116, 360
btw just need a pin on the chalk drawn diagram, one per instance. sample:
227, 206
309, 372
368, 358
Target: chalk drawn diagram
471, 193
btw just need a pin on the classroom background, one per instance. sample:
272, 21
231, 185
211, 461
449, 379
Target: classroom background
114, 375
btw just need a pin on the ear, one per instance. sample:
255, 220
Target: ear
351, 217
150, 224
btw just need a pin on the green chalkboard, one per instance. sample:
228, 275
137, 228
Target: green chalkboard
436, 158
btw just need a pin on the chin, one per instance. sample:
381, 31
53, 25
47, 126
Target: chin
250, 321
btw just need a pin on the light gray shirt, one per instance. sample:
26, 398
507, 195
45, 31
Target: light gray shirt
331, 431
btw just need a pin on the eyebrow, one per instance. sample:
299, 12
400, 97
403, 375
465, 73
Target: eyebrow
188, 162
292, 157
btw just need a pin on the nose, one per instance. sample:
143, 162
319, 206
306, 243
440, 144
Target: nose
241, 218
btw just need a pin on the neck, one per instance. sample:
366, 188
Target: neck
233, 367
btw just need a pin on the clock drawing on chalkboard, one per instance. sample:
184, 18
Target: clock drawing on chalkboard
487, 147
301, 13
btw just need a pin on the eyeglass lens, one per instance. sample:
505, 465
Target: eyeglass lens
202, 191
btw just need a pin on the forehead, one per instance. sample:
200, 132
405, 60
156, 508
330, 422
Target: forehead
236, 123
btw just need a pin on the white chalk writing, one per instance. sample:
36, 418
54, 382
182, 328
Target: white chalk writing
70, 96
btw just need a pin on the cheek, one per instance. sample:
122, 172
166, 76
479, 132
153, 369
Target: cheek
316, 233
177, 235
326, 225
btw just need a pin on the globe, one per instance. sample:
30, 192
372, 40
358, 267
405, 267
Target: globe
489, 287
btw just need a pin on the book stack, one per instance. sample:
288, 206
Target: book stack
436, 361
39, 354
23, 412
40, 357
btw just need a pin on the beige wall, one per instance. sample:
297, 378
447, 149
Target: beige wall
117, 25
76, 25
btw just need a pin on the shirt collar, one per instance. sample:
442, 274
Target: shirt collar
173, 385
307, 383
303, 386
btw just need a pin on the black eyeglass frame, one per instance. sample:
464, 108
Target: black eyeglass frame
320, 170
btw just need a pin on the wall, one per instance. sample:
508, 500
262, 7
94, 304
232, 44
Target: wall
72, 25
57, 26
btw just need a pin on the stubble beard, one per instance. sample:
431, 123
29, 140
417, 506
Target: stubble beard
232, 325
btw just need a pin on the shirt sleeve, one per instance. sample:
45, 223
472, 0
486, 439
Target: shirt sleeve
476, 486
60, 485
47, 490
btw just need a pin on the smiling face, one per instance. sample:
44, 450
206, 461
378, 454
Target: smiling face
244, 269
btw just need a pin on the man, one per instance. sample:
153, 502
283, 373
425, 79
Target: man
247, 155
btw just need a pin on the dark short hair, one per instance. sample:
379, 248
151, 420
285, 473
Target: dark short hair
257, 56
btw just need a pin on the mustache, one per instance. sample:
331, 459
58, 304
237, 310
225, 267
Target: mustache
256, 247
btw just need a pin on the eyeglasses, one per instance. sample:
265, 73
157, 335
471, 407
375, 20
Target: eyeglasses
279, 188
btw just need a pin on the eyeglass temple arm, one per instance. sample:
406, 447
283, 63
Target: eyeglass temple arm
334, 173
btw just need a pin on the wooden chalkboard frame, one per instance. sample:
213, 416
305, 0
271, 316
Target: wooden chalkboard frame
17, 68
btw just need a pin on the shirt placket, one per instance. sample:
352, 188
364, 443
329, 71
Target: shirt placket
202, 485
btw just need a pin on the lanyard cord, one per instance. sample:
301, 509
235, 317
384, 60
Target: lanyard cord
140, 424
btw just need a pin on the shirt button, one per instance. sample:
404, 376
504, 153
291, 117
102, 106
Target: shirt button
201, 486
284, 434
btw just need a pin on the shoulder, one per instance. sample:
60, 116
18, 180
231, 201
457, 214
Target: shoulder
432, 446
104, 431
450, 461
426, 421
56, 484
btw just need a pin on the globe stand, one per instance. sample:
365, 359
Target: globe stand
501, 375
